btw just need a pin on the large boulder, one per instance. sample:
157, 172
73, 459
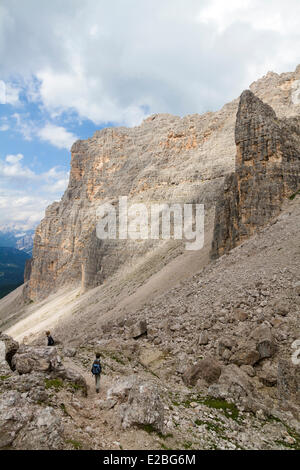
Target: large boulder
264, 342
143, 408
208, 369
260, 345
281, 307
8, 348
40, 359
137, 329
31, 359
233, 383
119, 391
246, 354
15, 413
43, 432
26, 425
70, 375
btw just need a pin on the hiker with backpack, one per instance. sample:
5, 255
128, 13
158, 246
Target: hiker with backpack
50, 339
96, 371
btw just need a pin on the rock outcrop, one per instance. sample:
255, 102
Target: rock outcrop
267, 172
29, 413
144, 407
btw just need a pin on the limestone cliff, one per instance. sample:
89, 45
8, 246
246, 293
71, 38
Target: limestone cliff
267, 172
165, 159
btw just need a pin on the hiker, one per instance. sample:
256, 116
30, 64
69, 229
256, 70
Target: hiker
50, 339
96, 371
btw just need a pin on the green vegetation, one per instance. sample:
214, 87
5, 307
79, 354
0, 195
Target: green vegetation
187, 445
117, 359
230, 410
150, 430
164, 447
57, 384
76, 444
292, 197
210, 426
294, 435
64, 409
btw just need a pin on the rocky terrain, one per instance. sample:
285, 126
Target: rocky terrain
199, 350
205, 366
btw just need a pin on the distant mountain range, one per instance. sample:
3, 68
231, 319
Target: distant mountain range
15, 249
22, 241
12, 264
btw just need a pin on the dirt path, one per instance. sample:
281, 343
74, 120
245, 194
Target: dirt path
90, 380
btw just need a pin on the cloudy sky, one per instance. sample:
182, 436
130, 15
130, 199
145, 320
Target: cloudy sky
69, 67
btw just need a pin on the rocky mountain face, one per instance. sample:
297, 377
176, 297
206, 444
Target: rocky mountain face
210, 361
267, 172
166, 159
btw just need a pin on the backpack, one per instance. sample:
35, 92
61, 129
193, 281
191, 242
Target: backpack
50, 341
96, 369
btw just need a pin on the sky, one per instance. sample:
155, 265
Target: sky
70, 67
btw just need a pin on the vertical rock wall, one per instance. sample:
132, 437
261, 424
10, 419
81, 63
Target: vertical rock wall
267, 172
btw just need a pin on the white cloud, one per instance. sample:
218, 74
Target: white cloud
57, 136
2, 92
24, 125
117, 62
12, 168
9, 94
12, 94
14, 158
24, 194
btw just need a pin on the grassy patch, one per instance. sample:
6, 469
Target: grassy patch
76, 386
290, 431
64, 409
76, 444
164, 447
187, 445
117, 359
4, 377
210, 426
292, 197
229, 409
57, 384
295, 436
175, 403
